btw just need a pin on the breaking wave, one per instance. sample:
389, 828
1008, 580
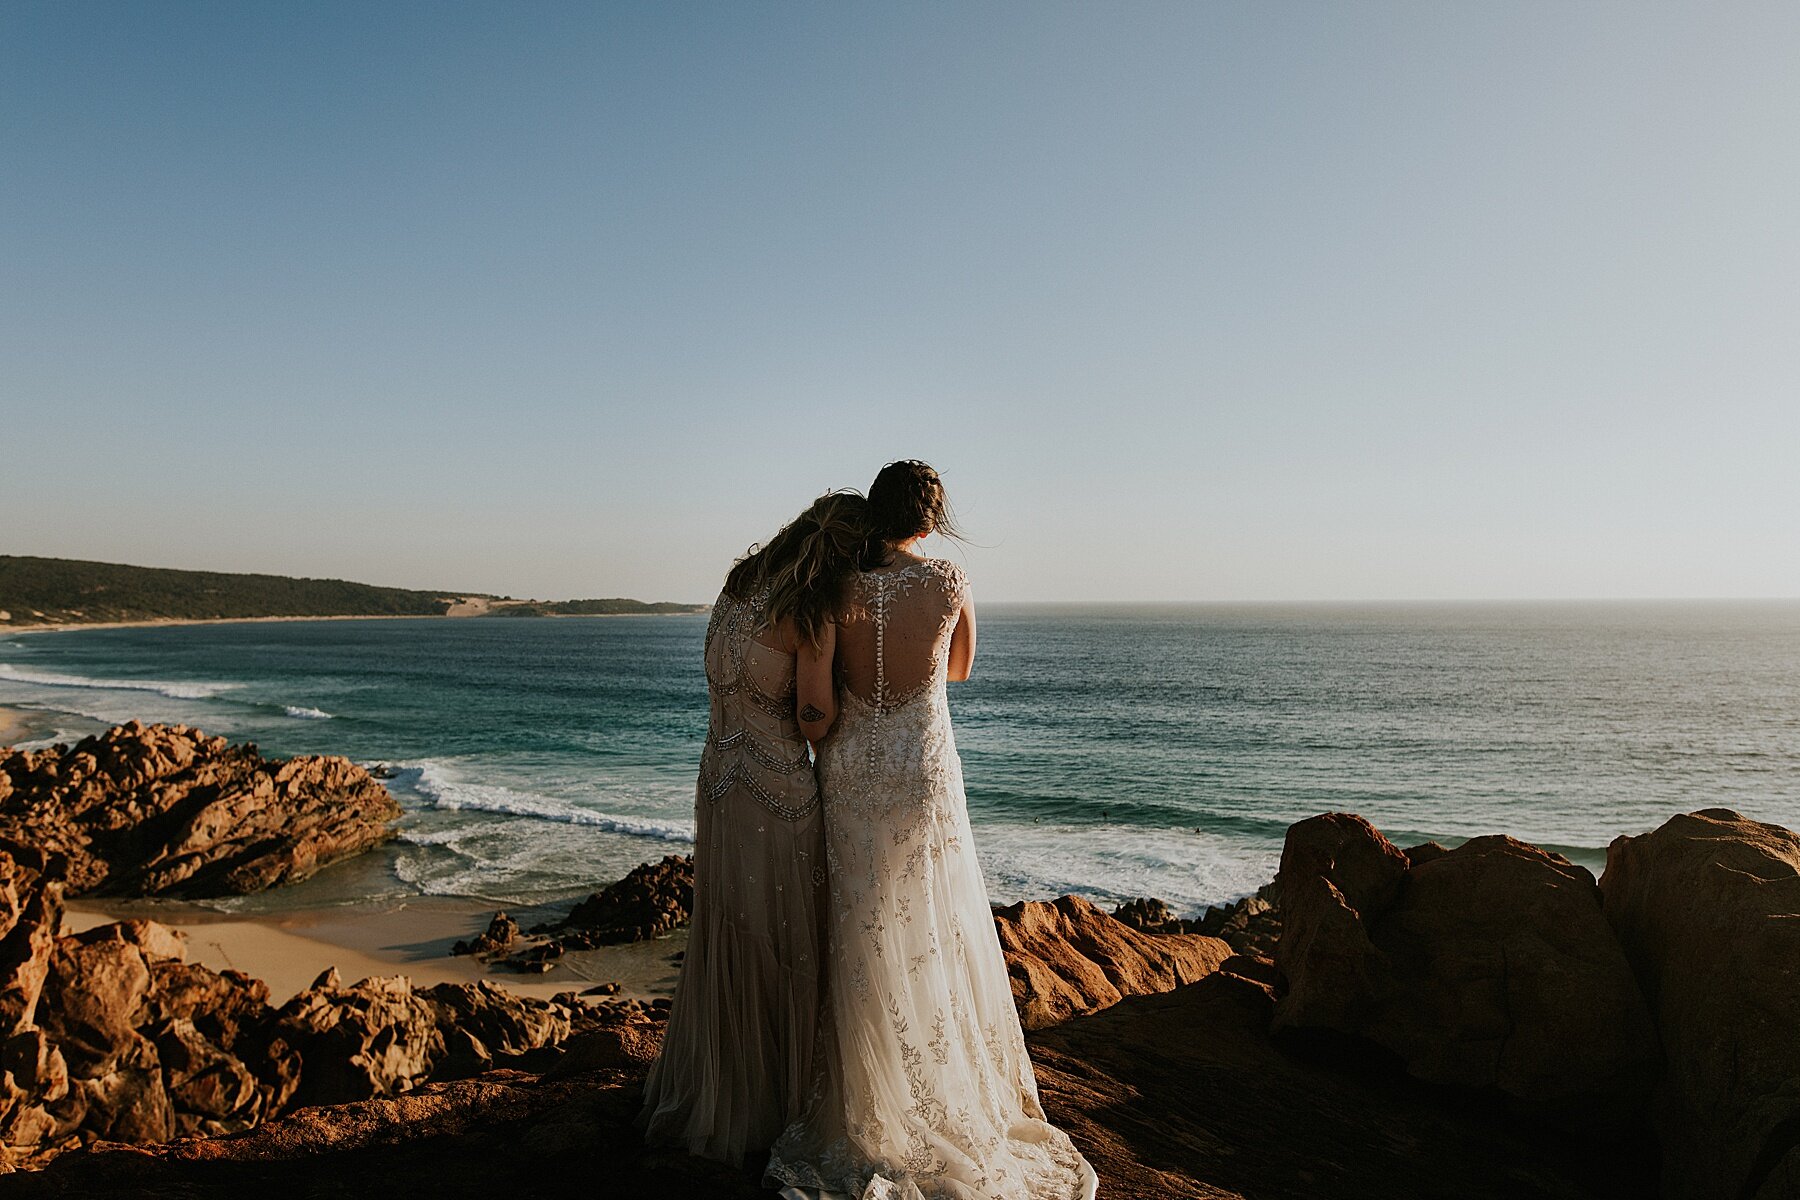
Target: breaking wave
175, 690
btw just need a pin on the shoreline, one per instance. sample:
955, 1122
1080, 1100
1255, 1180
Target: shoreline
288, 950
159, 622
20, 724
13, 725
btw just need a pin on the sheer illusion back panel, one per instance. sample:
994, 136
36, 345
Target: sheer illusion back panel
922, 1086
896, 636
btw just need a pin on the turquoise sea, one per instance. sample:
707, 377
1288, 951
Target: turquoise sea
1110, 750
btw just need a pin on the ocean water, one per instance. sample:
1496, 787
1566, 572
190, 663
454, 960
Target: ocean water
1110, 750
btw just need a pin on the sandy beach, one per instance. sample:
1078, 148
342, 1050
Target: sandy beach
24, 725
12, 726
289, 950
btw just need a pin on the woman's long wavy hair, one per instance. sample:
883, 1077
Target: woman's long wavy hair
906, 500
806, 566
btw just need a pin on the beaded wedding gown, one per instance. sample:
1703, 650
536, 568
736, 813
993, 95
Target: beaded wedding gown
923, 1089
736, 1061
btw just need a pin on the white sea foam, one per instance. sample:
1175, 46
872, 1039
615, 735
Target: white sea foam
174, 690
307, 714
1111, 863
437, 784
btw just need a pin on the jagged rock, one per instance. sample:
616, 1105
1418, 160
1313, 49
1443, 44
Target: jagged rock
375, 1038
1707, 908
111, 1034
1490, 966
1251, 925
210, 1091
95, 999
1150, 915
30, 919
1067, 957
503, 1023
165, 810
504, 1133
502, 932
654, 900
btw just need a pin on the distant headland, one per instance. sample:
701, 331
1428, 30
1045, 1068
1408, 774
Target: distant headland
39, 592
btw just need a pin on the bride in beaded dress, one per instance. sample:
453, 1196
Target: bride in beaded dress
922, 1086
737, 1057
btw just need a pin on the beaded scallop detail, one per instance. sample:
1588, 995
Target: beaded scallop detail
753, 743
736, 1056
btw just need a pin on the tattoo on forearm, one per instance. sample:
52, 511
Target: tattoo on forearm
811, 713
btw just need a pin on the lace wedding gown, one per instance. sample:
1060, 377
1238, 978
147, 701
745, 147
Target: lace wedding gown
736, 1061
923, 1088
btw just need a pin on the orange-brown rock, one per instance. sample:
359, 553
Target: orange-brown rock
113, 1035
1490, 966
30, 919
165, 810
505, 1133
1708, 910
1067, 957
1177, 1095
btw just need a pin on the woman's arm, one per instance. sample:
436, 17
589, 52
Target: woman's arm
962, 641
815, 692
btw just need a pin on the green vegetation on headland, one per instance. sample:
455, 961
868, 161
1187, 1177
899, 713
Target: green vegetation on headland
587, 608
61, 591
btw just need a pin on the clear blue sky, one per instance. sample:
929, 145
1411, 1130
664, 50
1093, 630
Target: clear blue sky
1187, 301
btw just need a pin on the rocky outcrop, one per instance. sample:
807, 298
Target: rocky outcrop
505, 1133
1182, 1096
1177, 1095
112, 1035
1251, 925
1066, 957
165, 810
654, 900
1491, 972
500, 936
1487, 967
1707, 908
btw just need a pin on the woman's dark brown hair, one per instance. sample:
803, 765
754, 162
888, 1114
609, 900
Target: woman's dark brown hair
906, 500
807, 565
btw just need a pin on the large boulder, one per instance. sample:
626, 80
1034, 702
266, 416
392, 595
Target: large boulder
1486, 967
165, 810
1707, 908
1067, 957
1181, 1096
30, 918
374, 1038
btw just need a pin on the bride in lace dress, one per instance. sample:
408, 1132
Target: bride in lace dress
923, 1089
736, 1060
